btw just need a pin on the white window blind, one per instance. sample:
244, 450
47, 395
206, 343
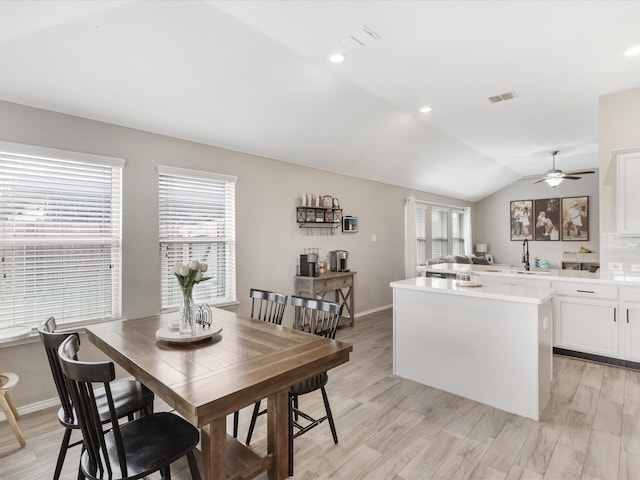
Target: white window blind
197, 222
421, 236
60, 236
439, 231
458, 231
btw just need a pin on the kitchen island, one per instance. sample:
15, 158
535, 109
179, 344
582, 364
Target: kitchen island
492, 343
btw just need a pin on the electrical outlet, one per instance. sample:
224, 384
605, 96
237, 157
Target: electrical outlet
615, 266
374, 237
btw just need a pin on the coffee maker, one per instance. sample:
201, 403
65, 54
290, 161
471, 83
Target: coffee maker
338, 260
308, 263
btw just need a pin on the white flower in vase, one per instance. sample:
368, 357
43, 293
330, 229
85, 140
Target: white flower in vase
188, 275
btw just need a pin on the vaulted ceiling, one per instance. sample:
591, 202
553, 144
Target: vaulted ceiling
253, 76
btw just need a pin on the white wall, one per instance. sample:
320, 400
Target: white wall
268, 239
492, 220
619, 129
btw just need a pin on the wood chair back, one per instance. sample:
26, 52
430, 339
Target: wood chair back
52, 341
267, 306
319, 317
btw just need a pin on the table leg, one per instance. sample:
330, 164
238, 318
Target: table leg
278, 433
213, 445
351, 308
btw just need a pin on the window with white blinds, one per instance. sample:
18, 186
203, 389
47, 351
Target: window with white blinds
457, 231
197, 222
440, 231
60, 236
421, 236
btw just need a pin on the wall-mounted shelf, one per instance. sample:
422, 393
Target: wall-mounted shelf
580, 261
311, 218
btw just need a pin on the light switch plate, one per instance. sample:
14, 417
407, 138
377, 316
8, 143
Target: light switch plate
615, 266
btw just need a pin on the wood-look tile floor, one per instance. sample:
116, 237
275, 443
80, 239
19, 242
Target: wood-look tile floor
396, 429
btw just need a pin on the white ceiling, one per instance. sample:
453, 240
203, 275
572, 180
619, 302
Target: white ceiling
253, 76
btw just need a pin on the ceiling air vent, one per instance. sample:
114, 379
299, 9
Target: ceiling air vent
502, 97
360, 38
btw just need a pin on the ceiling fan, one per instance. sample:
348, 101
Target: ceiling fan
554, 176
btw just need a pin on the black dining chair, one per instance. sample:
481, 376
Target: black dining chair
321, 318
269, 307
129, 396
132, 450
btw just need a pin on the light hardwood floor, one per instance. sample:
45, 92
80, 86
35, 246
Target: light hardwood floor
396, 429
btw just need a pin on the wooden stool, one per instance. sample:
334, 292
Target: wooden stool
7, 382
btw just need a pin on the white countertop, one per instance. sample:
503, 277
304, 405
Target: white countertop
510, 293
610, 278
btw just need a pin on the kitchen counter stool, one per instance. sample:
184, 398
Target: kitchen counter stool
9, 380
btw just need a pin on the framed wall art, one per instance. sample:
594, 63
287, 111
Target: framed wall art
350, 224
575, 219
521, 215
547, 221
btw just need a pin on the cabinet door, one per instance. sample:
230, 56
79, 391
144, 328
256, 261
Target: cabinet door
628, 194
631, 319
587, 326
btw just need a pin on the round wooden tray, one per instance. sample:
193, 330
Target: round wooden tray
172, 336
470, 285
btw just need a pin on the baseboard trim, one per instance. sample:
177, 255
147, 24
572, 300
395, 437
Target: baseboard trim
34, 407
373, 310
617, 362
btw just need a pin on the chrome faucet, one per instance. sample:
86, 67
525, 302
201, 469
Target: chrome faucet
525, 255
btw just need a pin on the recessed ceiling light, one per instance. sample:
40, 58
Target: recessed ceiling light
337, 57
633, 51
425, 109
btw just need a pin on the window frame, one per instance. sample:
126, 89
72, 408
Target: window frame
170, 294
76, 241
424, 235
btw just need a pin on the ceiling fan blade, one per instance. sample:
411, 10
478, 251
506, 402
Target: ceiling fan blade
580, 173
541, 180
569, 177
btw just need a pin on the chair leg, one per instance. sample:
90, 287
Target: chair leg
254, 417
295, 406
329, 415
291, 400
7, 406
166, 472
64, 446
236, 417
193, 466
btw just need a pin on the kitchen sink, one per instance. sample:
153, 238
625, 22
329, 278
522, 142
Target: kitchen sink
519, 272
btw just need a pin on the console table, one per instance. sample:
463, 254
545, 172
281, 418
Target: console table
340, 283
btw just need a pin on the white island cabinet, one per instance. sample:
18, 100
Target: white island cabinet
492, 343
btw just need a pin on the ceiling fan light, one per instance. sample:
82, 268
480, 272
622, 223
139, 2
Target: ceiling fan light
554, 181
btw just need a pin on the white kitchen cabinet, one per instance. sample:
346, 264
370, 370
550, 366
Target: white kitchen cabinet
628, 193
586, 318
586, 325
630, 318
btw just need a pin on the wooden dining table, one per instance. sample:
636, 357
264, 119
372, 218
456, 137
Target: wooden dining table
204, 381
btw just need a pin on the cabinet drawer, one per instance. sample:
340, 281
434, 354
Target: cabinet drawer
630, 294
585, 290
322, 286
344, 282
